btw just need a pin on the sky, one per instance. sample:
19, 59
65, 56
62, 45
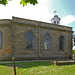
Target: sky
43, 11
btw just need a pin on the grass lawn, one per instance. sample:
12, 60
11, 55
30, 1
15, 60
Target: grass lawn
73, 51
37, 68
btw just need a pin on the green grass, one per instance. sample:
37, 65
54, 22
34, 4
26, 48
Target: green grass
73, 51
37, 68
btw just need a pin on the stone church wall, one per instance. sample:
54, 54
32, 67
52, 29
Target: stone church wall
5, 50
14, 40
21, 27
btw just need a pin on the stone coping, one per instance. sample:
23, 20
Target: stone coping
35, 23
62, 62
39, 23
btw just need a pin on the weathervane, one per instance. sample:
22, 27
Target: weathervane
55, 12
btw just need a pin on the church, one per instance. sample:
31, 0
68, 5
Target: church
26, 39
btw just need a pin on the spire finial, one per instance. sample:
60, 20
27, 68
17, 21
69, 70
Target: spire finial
55, 12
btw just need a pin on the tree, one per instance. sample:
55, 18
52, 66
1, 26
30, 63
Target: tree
23, 2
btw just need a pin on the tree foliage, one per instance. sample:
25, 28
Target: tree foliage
4, 2
23, 2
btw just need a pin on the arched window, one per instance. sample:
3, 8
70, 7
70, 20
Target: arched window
0, 40
74, 40
29, 40
57, 22
61, 43
54, 22
47, 42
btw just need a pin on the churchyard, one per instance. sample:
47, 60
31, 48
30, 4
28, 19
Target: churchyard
37, 68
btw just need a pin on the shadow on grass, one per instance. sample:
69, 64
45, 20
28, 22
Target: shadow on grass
27, 64
64, 64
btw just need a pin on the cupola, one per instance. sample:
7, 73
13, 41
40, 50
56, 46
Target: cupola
55, 19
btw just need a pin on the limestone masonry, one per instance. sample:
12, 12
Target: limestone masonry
28, 39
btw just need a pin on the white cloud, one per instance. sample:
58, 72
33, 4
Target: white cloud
35, 12
67, 20
38, 12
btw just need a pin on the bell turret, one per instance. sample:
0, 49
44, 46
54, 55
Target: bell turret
55, 19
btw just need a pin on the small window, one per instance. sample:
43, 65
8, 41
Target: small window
54, 22
0, 40
74, 40
57, 22
47, 42
61, 43
29, 40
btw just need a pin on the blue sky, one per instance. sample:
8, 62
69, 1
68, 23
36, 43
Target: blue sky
66, 10
43, 11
